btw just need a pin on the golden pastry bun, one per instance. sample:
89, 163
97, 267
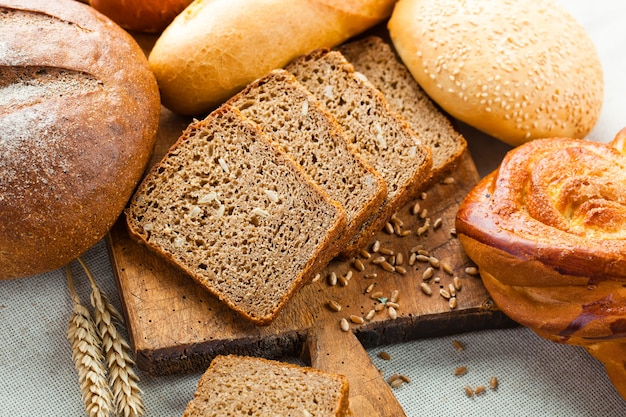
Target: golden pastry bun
548, 233
514, 69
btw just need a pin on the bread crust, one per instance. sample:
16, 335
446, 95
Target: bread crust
214, 49
76, 131
151, 16
485, 65
547, 230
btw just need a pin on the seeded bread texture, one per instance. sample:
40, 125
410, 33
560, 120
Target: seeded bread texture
374, 130
375, 58
237, 214
295, 120
246, 386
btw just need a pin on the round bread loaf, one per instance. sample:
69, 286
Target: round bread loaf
151, 16
79, 112
514, 69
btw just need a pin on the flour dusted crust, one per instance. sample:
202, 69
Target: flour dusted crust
515, 69
548, 233
79, 111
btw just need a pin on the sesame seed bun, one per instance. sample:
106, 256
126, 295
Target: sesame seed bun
514, 69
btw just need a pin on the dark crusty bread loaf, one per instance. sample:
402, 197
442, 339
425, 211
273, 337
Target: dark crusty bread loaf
374, 130
295, 120
375, 58
79, 112
246, 386
231, 209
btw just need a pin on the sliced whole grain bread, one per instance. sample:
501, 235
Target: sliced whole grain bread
291, 116
383, 138
232, 210
246, 386
375, 58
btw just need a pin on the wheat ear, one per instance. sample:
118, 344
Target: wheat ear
122, 378
88, 359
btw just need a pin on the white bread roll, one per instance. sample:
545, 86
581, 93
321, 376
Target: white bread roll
215, 48
515, 69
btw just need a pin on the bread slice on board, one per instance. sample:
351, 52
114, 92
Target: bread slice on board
374, 130
375, 58
236, 385
295, 120
232, 210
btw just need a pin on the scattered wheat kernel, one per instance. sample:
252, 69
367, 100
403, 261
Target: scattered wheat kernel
400, 270
316, 278
393, 314
379, 307
393, 378
377, 294
369, 276
365, 254
332, 279
452, 303
370, 288
392, 260
461, 370
392, 304
370, 315
458, 345
437, 223
389, 228
356, 319
437, 280
395, 295
384, 355
479, 390
456, 281
469, 391
334, 305
404, 233
422, 258
425, 288
446, 268
493, 383
434, 262
396, 220
349, 275
416, 248
378, 260
343, 323
386, 251
376, 246
397, 229
358, 265
412, 259
445, 294
428, 273
448, 180
452, 290
416, 208
423, 213
423, 252
343, 281
405, 378
399, 258
424, 195
471, 270
396, 383
421, 230
387, 266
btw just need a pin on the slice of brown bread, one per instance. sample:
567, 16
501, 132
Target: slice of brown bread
375, 58
375, 131
295, 120
231, 209
255, 387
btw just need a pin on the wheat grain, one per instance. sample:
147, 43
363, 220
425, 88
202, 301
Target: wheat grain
87, 357
122, 378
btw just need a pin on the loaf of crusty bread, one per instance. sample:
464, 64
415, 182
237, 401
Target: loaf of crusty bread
246, 386
79, 112
295, 120
228, 207
375, 59
548, 233
215, 48
374, 130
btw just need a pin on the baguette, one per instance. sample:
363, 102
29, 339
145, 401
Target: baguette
215, 48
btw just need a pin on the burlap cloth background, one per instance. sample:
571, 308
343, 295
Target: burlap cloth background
537, 378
